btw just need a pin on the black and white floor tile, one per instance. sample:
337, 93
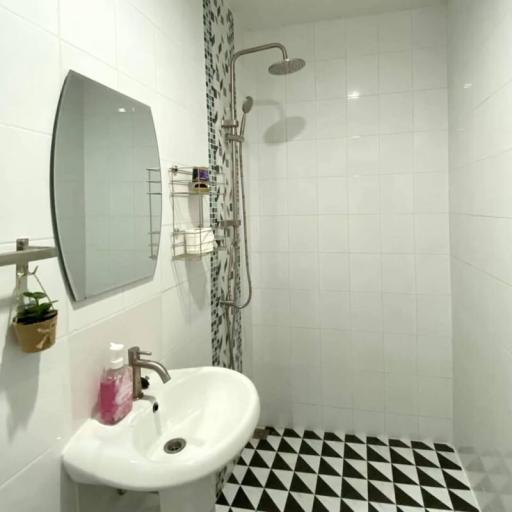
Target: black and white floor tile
314, 471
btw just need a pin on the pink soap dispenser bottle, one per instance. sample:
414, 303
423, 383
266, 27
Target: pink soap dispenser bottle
115, 394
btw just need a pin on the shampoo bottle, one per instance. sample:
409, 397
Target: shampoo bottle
115, 394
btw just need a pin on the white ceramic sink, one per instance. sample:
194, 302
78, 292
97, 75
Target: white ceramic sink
214, 410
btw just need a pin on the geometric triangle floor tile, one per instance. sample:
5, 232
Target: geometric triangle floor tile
296, 470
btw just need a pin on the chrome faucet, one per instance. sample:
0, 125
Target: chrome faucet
137, 363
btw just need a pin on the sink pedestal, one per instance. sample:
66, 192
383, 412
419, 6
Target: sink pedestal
198, 496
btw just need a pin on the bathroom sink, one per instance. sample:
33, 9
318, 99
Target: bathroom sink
208, 414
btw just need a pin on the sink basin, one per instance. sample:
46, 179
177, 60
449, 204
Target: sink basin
214, 410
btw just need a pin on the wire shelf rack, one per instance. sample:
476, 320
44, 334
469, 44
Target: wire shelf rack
192, 237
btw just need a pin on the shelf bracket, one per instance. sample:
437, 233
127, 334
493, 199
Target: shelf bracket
24, 254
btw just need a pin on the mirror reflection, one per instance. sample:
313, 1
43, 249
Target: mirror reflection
106, 188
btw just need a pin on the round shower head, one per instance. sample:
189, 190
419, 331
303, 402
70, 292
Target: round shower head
286, 66
247, 105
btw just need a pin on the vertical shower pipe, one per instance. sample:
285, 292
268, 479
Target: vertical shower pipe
236, 140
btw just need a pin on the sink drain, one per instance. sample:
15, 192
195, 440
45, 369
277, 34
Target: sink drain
175, 445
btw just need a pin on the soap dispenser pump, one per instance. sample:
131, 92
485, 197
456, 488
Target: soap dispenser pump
115, 393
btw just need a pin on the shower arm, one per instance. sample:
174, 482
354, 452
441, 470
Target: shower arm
234, 58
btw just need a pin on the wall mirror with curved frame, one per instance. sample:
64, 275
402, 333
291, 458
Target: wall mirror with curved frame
106, 188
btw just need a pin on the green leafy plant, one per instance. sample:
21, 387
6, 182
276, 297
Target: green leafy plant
36, 308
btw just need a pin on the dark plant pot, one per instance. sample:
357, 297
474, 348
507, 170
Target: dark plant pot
37, 336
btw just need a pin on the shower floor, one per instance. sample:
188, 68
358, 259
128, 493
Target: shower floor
314, 471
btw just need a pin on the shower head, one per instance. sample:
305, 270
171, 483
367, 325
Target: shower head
247, 105
286, 66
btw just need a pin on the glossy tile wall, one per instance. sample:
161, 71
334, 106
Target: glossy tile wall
154, 52
348, 181
480, 49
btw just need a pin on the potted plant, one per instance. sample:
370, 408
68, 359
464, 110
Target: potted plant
35, 323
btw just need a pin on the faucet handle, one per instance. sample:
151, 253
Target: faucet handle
135, 352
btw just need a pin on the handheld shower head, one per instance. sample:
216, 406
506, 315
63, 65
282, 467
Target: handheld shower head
247, 105
246, 108
286, 66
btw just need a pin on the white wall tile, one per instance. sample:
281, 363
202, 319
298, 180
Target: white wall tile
333, 233
330, 39
368, 351
397, 193
395, 31
433, 273
364, 232
336, 349
398, 273
45, 14
301, 121
48, 483
25, 181
334, 310
331, 118
430, 110
401, 394
362, 35
363, 115
435, 397
334, 271
435, 356
304, 233
365, 273
395, 72
332, 195
434, 314
429, 26
305, 347
369, 391
400, 353
364, 192
73, 58
432, 234
369, 421
135, 45
398, 233
304, 268
399, 313
331, 79
336, 387
400, 425
396, 153
431, 151
300, 40
430, 68
76, 20
274, 270
299, 160
366, 311
29, 55
431, 193
363, 154
331, 157
396, 112
362, 75
273, 197
302, 86
272, 162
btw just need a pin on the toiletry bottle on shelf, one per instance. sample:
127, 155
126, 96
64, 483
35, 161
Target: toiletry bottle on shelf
115, 394
200, 180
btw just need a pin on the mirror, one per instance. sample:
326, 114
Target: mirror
106, 188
